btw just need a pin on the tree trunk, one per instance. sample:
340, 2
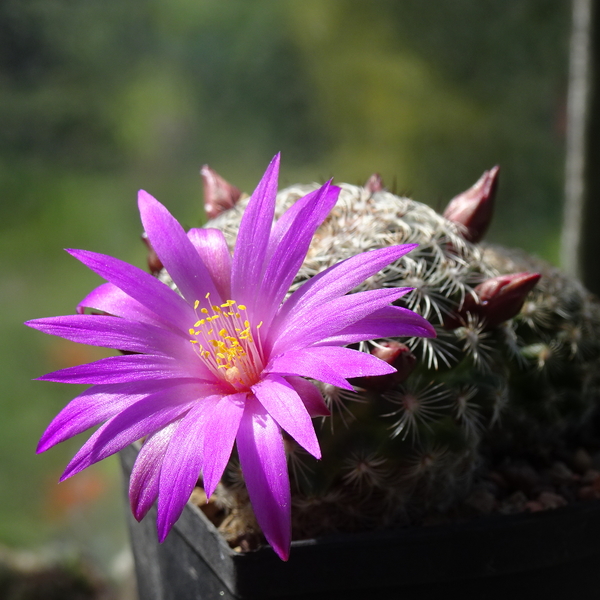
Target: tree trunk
580, 237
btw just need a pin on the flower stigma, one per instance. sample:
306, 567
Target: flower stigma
223, 339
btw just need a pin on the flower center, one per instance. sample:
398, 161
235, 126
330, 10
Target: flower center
223, 338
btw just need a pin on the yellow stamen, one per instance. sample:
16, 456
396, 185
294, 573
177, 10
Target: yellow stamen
230, 351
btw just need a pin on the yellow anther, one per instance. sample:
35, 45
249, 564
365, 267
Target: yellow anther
230, 347
259, 325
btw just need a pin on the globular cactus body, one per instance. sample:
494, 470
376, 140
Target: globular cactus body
512, 372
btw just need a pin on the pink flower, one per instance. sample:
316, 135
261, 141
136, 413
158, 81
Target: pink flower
495, 300
224, 360
474, 208
219, 195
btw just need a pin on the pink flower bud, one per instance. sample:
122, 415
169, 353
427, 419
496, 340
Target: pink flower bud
396, 354
154, 264
374, 183
475, 207
219, 195
498, 299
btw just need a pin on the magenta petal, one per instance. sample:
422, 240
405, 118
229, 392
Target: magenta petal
96, 405
339, 279
348, 362
253, 237
286, 220
181, 464
142, 418
282, 402
110, 299
214, 252
387, 322
219, 436
145, 475
134, 367
176, 252
298, 362
264, 465
292, 248
310, 395
114, 332
141, 286
307, 328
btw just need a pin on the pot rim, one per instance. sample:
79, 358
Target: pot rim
482, 547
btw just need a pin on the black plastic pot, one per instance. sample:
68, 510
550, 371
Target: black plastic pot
551, 555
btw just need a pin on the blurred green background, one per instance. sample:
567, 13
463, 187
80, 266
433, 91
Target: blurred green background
101, 97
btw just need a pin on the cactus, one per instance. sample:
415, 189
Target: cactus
512, 373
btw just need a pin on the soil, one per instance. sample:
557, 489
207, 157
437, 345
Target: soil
510, 486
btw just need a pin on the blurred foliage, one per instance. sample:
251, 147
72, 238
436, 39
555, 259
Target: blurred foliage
99, 98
